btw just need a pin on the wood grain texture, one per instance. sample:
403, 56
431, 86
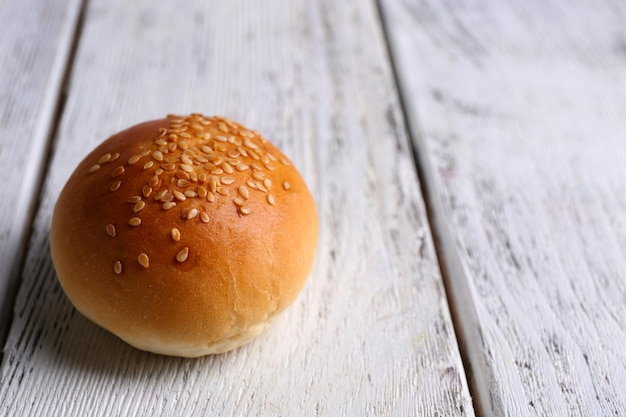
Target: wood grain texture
35, 45
371, 333
518, 110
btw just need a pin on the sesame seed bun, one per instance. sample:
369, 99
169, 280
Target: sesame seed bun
184, 236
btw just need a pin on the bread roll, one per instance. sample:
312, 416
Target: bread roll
184, 236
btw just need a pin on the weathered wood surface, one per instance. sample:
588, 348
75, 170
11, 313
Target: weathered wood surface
34, 49
518, 110
371, 333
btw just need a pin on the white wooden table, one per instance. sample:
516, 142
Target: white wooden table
468, 160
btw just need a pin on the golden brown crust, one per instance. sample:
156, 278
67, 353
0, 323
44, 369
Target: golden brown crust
185, 235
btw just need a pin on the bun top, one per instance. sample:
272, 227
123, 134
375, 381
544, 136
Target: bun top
184, 235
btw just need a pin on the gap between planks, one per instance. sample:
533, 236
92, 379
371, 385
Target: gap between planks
454, 279
8, 304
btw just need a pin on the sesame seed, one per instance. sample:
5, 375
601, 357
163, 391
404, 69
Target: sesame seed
210, 197
186, 160
222, 139
270, 199
164, 150
267, 183
173, 136
190, 194
257, 167
139, 206
213, 181
183, 144
245, 193
186, 168
204, 217
251, 184
146, 190
169, 166
158, 171
160, 194
227, 168
249, 144
269, 167
157, 155
226, 179
182, 183
116, 185
241, 167
233, 153
117, 267
265, 159
206, 149
216, 160
184, 135
201, 160
134, 159
183, 254
143, 260
172, 158
168, 205
244, 210
218, 171
261, 187
175, 234
110, 229
148, 165
238, 201
134, 221
192, 214
203, 177
179, 196
222, 127
286, 185
223, 190
117, 171
271, 156
104, 158
153, 181
167, 197
133, 199
285, 161
233, 161
114, 157
202, 192
93, 168
196, 126
172, 146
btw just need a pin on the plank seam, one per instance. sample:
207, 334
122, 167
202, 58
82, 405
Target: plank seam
444, 252
53, 126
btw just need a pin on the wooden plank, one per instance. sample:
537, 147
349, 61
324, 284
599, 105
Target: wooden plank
35, 44
371, 333
518, 109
